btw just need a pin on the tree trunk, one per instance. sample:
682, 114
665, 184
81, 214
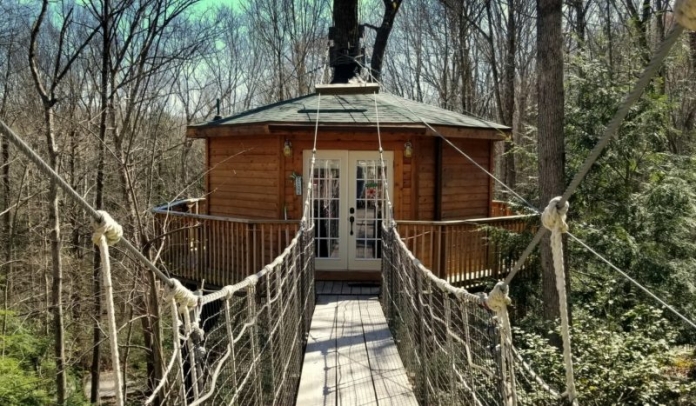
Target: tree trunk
346, 38
104, 110
5, 180
391, 8
508, 108
550, 131
57, 265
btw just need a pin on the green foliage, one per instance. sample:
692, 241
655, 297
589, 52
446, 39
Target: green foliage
19, 386
626, 361
20, 367
637, 207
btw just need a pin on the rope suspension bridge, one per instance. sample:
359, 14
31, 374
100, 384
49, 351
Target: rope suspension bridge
243, 344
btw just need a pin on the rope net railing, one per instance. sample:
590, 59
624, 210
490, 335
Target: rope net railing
241, 345
456, 346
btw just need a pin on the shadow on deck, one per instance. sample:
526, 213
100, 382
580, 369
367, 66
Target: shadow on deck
351, 357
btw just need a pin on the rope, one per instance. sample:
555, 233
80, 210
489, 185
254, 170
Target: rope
106, 233
609, 132
390, 214
553, 219
316, 125
176, 358
685, 11
633, 281
498, 301
183, 296
450, 143
47, 170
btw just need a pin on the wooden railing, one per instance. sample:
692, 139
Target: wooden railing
463, 252
225, 250
219, 250
500, 209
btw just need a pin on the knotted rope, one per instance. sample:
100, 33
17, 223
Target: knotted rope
183, 296
498, 301
107, 232
685, 12
554, 219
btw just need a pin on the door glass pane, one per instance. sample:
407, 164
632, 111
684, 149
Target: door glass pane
325, 206
369, 204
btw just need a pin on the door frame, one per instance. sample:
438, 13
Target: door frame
346, 260
340, 263
355, 263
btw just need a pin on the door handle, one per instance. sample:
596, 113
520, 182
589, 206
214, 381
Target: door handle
352, 220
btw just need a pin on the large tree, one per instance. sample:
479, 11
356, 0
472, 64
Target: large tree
346, 40
550, 130
47, 81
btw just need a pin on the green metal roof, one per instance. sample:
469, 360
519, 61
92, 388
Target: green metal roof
349, 109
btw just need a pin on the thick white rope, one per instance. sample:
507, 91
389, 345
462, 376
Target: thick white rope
107, 233
188, 332
176, 355
610, 132
498, 301
553, 219
183, 296
685, 11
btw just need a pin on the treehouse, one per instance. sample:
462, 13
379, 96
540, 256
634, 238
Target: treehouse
258, 168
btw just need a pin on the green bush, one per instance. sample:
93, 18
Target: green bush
625, 362
18, 386
20, 383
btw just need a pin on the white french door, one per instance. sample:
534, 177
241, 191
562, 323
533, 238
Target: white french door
348, 207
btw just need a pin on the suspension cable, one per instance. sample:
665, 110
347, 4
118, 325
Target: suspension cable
609, 132
390, 214
633, 281
47, 170
537, 237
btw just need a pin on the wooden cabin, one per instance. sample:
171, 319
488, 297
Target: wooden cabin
259, 163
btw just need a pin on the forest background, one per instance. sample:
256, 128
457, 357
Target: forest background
105, 89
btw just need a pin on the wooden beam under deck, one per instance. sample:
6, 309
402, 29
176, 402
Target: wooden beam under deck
348, 276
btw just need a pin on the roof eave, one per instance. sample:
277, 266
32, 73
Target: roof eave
479, 133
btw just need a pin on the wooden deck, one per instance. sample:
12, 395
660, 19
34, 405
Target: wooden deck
351, 358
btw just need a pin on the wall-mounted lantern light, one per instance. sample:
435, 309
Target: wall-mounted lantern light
408, 149
287, 148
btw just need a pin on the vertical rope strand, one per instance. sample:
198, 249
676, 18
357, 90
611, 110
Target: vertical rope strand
111, 318
389, 209
554, 220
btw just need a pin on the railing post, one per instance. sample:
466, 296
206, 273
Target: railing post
247, 245
254, 249
442, 253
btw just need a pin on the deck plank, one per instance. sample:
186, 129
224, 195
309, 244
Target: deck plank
391, 382
319, 287
318, 380
345, 288
328, 286
354, 378
351, 358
